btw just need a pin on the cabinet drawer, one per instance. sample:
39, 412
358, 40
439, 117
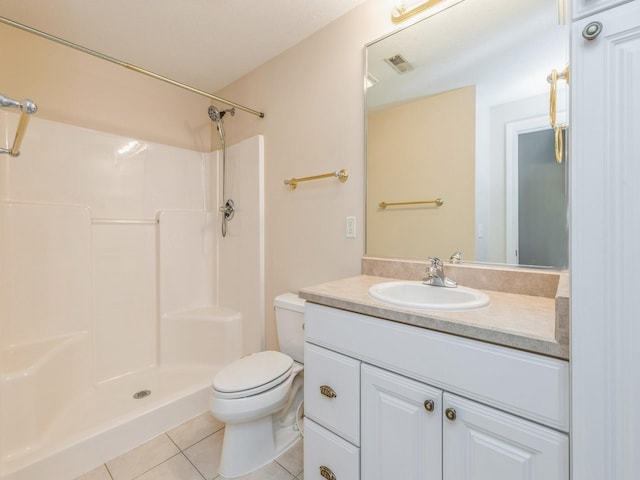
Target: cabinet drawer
325, 450
332, 391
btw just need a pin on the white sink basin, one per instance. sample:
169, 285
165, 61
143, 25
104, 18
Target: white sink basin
417, 295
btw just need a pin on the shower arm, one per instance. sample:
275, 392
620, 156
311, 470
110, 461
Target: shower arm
130, 66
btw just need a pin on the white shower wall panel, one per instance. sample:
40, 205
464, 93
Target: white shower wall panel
187, 253
45, 272
117, 177
93, 309
241, 252
125, 299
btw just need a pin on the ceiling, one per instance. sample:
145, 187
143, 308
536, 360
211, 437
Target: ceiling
521, 43
207, 44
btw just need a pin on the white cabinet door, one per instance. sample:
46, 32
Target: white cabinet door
401, 427
605, 232
582, 8
482, 443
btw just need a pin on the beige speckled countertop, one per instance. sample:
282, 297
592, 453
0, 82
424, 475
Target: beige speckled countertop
518, 321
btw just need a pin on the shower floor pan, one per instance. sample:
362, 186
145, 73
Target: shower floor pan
108, 421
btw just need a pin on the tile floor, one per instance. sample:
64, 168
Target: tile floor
190, 451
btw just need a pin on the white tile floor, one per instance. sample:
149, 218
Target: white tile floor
190, 451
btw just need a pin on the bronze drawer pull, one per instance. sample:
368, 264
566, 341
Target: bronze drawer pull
326, 472
327, 391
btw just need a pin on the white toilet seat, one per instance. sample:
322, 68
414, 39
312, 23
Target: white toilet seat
252, 375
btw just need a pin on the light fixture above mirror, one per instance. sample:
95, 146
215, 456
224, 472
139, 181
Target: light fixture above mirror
403, 10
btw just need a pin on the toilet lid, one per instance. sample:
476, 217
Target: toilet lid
254, 371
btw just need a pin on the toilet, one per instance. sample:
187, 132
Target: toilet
258, 396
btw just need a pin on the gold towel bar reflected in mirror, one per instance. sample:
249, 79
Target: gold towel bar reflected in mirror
341, 175
553, 99
438, 203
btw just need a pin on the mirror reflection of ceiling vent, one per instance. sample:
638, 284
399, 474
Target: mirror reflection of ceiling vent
399, 63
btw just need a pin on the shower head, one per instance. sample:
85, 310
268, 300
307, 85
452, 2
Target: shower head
216, 115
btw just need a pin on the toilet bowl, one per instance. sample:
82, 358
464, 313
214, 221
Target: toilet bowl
257, 396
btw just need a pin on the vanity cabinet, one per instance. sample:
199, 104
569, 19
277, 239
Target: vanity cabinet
430, 406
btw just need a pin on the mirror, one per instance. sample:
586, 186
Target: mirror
457, 109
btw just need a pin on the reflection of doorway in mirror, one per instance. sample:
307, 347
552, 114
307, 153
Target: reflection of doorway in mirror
536, 196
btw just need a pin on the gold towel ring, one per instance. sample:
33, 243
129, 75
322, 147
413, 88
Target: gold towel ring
553, 98
559, 144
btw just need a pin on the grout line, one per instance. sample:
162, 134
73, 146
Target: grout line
108, 471
164, 461
172, 441
187, 457
195, 466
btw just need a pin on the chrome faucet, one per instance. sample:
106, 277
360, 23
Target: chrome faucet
435, 275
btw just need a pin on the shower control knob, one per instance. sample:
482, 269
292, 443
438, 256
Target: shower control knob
592, 30
450, 413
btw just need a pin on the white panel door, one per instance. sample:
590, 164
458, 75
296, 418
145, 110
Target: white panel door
582, 8
605, 246
401, 427
482, 443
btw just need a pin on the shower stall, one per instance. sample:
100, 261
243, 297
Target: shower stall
118, 301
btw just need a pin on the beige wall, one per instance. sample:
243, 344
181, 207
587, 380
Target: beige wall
313, 99
422, 150
73, 87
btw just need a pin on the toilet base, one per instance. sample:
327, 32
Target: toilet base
249, 446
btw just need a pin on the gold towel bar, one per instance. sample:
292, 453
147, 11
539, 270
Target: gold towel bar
438, 202
342, 175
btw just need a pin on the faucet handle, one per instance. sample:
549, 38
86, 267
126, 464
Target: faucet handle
456, 257
436, 262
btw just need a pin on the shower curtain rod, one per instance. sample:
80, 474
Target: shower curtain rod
130, 66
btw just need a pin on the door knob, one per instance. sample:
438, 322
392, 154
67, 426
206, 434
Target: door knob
450, 413
429, 405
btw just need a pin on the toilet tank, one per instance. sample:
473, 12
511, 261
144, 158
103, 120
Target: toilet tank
289, 322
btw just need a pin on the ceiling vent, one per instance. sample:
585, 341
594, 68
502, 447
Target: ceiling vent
399, 63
